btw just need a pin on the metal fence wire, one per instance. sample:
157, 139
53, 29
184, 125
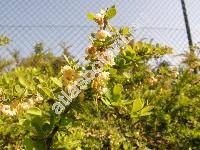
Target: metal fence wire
27, 22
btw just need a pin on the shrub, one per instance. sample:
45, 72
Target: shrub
128, 104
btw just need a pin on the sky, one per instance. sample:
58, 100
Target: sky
27, 22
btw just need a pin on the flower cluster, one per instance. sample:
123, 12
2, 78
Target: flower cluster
99, 56
94, 53
7, 110
99, 83
102, 35
100, 39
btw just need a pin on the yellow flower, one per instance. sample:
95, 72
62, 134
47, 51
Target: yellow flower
153, 80
104, 75
99, 83
102, 34
69, 74
91, 50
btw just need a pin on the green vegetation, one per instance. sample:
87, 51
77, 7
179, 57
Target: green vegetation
129, 105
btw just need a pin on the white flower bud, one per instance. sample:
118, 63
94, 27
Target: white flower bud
38, 99
25, 105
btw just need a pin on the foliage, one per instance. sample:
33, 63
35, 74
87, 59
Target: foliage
128, 105
46, 62
4, 40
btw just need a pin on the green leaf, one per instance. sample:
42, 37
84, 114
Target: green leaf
117, 89
121, 103
34, 111
21, 121
36, 123
106, 101
44, 91
129, 48
90, 16
111, 12
113, 71
125, 31
34, 144
1, 122
46, 128
23, 82
56, 81
138, 104
146, 111
28, 144
19, 90
127, 75
26, 84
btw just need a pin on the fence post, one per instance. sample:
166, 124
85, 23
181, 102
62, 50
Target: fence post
187, 25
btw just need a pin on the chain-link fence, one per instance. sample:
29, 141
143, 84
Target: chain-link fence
27, 22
